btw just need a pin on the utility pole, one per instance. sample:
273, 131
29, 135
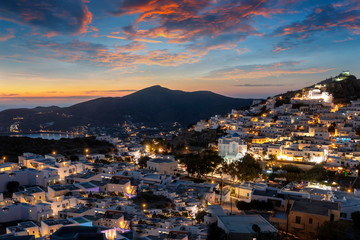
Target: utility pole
221, 189
233, 182
287, 216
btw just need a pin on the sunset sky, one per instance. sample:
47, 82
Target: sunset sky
61, 52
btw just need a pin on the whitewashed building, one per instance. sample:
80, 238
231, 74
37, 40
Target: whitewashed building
231, 147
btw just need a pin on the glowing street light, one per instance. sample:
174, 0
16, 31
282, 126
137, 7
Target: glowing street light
87, 152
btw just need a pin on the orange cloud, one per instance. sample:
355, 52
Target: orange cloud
131, 47
50, 34
279, 49
85, 21
135, 39
183, 21
157, 57
118, 56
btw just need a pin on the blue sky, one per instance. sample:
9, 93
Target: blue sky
66, 51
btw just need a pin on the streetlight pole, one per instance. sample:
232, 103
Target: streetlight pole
287, 216
221, 189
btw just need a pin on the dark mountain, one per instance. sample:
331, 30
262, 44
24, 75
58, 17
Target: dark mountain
150, 105
343, 87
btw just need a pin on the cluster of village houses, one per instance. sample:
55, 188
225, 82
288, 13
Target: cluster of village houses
57, 192
62, 199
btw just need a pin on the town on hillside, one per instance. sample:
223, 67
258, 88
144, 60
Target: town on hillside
283, 168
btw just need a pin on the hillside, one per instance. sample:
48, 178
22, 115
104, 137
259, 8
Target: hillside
150, 105
343, 91
12, 147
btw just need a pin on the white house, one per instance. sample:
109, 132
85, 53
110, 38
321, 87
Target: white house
163, 165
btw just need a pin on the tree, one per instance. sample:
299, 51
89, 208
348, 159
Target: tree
212, 159
143, 160
293, 177
157, 145
295, 174
185, 214
316, 173
230, 169
292, 169
264, 153
74, 158
357, 131
199, 217
215, 233
254, 205
272, 157
355, 216
275, 118
248, 169
193, 164
334, 230
201, 164
331, 128
12, 186
242, 205
272, 160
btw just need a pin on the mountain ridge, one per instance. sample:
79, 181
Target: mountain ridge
154, 104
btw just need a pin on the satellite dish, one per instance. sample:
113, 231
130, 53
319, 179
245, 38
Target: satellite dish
256, 228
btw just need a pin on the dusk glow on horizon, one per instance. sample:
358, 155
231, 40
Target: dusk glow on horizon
63, 52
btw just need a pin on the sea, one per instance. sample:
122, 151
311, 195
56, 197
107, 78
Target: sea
48, 136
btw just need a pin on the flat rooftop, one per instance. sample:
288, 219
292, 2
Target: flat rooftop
59, 187
161, 160
80, 220
34, 190
314, 207
52, 222
244, 224
87, 185
267, 192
